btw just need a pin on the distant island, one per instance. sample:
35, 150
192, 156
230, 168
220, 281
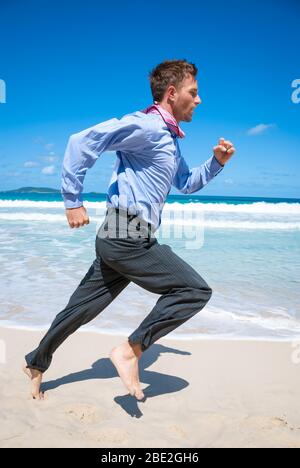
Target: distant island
42, 190
33, 190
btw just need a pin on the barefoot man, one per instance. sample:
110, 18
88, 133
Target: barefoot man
148, 163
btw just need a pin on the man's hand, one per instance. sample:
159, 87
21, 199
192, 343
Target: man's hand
77, 217
224, 151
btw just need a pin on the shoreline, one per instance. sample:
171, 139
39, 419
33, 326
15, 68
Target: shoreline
174, 337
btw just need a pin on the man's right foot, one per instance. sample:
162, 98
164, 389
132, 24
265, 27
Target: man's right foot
126, 363
36, 380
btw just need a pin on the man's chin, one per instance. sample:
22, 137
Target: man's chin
186, 118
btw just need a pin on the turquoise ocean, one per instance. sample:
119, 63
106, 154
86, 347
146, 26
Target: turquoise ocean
246, 249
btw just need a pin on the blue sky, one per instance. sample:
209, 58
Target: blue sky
69, 65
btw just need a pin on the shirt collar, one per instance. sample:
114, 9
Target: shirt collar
169, 119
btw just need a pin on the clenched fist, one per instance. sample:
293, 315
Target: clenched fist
77, 217
224, 151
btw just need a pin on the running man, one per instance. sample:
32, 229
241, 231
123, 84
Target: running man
149, 163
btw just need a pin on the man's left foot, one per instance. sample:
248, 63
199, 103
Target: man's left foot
36, 380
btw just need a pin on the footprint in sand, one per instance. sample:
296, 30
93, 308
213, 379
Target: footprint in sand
284, 422
265, 422
177, 431
108, 435
84, 413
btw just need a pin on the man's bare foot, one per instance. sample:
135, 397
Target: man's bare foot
36, 380
125, 359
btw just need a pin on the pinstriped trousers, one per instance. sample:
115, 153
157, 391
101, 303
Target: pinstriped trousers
120, 260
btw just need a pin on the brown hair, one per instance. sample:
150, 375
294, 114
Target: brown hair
169, 72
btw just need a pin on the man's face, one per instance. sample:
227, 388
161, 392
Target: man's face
185, 99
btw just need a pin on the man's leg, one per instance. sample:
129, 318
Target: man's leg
95, 292
156, 268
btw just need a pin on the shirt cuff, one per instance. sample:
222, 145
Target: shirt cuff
72, 201
215, 166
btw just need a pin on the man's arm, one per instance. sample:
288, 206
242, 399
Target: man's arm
84, 148
191, 180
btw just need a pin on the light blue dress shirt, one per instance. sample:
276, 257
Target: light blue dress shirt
148, 163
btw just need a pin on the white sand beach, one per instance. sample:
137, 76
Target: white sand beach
198, 394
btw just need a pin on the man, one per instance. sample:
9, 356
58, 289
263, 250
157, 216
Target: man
148, 163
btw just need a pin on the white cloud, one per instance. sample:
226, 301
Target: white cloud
229, 181
41, 141
48, 170
38, 140
49, 146
30, 164
260, 129
51, 159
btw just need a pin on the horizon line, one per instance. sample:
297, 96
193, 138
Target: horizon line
172, 195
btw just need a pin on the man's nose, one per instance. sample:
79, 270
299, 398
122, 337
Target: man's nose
198, 100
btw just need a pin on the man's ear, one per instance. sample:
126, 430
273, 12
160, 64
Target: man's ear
172, 92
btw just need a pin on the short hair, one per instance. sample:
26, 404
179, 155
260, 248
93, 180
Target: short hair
169, 72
